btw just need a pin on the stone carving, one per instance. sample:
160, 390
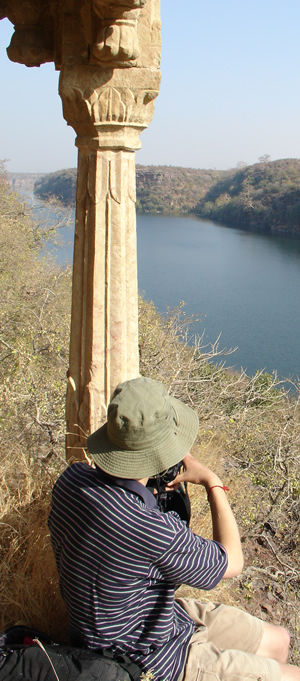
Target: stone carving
116, 41
110, 105
123, 33
32, 43
105, 7
119, 106
108, 116
31, 46
155, 32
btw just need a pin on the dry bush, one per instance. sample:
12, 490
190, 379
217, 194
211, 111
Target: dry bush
29, 582
34, 337
191, 369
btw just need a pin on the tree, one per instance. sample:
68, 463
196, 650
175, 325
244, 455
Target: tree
264, 159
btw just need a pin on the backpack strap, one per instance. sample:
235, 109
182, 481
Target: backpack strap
124, 661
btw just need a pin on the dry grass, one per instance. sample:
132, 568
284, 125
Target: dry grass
28, 575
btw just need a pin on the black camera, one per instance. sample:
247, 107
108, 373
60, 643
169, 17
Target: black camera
168, 499
169, 475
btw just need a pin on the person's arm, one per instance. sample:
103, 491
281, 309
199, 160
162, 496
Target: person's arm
225, 529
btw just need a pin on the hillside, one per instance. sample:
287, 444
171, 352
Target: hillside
172, 191
160, 189
263, 197
60, 185
23, 182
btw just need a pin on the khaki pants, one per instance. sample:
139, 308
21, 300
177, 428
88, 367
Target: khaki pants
224, 644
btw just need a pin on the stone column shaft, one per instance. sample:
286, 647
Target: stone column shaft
108, 110
104, 328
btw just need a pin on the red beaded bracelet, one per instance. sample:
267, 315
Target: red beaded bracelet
226, 489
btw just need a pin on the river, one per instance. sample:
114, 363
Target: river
242, 285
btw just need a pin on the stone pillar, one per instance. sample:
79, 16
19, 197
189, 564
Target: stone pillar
108, 53
108, 105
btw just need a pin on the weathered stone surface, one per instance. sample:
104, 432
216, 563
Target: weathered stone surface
122, 33
126, 36
32, 43
108, 108
104, 330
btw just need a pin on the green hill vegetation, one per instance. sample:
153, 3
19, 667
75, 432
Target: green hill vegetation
172, 191
263, 197
60, 185
249, 433
160, 189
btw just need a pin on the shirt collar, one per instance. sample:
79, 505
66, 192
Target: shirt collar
131, 486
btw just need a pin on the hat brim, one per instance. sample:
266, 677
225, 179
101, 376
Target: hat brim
124, 463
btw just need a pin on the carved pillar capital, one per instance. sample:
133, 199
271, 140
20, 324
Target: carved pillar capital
109, 99
108, 109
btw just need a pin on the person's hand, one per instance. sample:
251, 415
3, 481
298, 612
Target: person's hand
225, 529
194, 472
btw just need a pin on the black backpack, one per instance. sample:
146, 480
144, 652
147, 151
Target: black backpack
30, 655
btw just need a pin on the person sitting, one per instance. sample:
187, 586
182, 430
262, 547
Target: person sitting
120, 558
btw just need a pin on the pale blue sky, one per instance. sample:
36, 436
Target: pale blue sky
230, 91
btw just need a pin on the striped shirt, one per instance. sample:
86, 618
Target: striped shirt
119, 560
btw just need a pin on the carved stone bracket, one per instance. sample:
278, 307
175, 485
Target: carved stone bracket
119, 33
32, 43
116, 39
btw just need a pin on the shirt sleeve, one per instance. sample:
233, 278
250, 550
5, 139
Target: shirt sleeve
192, 560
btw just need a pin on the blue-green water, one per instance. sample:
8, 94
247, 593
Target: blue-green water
243, 285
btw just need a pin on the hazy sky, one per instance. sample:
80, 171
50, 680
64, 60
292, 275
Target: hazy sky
230, 91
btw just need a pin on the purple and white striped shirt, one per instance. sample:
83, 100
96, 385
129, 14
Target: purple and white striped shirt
119, 560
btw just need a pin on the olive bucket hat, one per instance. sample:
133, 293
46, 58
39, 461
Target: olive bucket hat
147, 431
